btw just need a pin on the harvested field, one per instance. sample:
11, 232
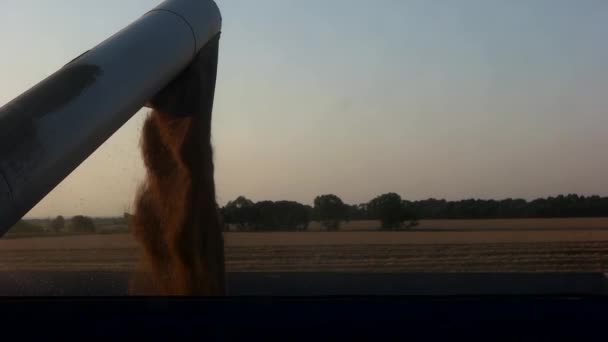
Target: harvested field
118, 241
503, 257
492, 250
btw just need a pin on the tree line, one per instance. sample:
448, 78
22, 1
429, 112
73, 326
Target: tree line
396, 213
390, 209
76, 224
328, 209
561, 206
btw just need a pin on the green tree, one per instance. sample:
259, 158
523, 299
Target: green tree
280, 216
330, 211
83, 224
240, 212
392, 211
58, 224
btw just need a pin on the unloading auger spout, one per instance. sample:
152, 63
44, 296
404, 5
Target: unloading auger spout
50, 129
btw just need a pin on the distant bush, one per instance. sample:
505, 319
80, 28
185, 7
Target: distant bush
330, 210
82, 224
240, 212
26, 227
245, 215
58, 224
392, 211
280, 216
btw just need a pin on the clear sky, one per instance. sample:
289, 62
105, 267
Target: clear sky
446, 99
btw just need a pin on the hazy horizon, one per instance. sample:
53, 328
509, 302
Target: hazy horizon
474, 99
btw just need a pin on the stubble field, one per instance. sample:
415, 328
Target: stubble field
545, 245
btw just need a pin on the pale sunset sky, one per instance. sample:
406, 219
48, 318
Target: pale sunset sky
445, 99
